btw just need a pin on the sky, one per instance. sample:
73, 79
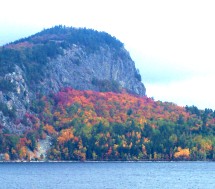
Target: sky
171, 42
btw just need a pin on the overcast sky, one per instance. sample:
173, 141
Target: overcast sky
172, 42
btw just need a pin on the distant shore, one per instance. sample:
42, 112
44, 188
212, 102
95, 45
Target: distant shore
141, 161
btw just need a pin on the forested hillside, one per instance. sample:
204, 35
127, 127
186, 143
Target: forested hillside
88, 125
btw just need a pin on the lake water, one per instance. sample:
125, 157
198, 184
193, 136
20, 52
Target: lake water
108, 175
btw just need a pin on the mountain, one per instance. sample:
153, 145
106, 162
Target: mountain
79, 58
75, 94
59, 57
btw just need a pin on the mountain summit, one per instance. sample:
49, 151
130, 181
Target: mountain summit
59, 57
84, 59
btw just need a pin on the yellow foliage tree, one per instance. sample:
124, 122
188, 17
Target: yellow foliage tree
6, 157
23, 152
50, 129
65, 136
182, 153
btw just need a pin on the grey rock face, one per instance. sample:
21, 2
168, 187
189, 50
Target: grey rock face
15, 101
77, 69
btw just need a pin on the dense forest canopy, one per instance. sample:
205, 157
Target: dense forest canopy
87, 125
65, 36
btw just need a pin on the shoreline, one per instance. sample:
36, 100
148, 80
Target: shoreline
143, 161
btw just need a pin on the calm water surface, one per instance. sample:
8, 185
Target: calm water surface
110, 175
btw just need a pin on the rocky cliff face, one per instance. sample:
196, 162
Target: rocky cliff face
14, 104
56, 58
92, 71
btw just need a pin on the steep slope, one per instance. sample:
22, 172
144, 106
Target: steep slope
101, 70
56, 58
80, 58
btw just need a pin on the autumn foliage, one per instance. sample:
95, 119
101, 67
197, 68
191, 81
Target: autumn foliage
87, 125
110, 126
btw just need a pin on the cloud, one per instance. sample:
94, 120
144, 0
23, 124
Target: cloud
198, 91
154, 70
